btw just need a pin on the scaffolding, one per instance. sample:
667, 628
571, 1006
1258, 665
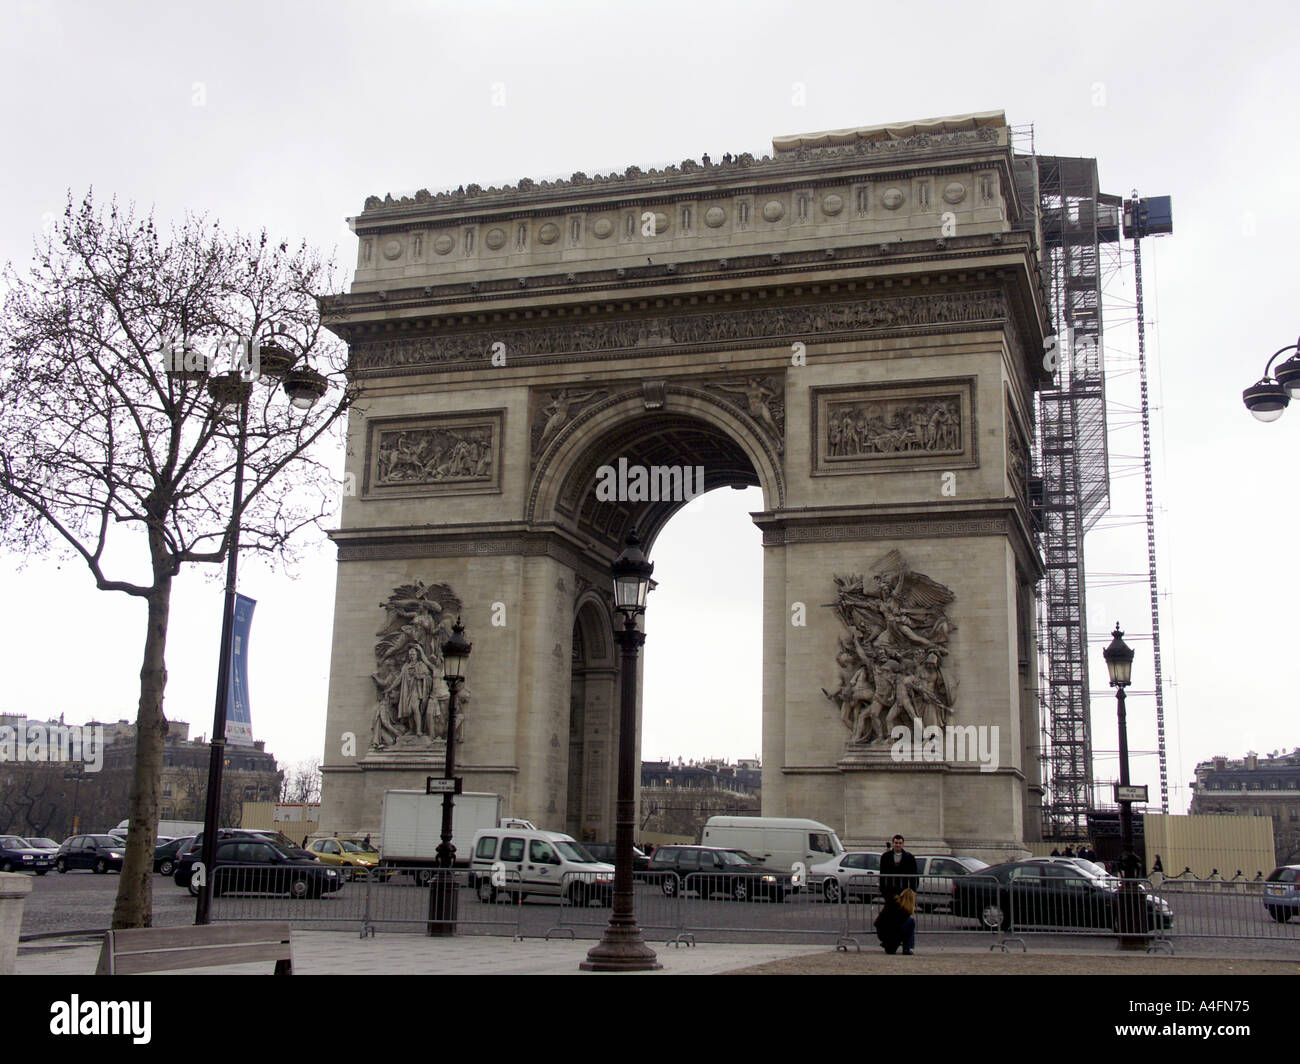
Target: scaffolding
1079, 229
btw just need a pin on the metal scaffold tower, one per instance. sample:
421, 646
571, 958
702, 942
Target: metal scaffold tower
1150, 217
1077, 224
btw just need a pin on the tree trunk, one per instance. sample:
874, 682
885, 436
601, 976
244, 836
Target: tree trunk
134, 906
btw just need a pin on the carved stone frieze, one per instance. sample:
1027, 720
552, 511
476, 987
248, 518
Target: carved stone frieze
751, 323
891, 659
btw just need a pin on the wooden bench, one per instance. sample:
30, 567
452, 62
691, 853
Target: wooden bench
159, 949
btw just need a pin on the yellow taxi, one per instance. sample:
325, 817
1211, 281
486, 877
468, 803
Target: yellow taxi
351, 855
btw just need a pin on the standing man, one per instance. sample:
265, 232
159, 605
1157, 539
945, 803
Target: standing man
897, 874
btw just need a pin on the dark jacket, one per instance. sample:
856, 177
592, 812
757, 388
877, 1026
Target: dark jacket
889, 923
896, 878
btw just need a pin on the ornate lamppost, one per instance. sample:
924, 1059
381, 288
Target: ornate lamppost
1270, 395
304, 386
443, 900
1131, 923
622, 948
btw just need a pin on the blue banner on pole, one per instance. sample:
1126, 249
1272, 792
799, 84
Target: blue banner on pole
239, 721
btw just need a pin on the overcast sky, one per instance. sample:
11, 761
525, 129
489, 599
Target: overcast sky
287, 115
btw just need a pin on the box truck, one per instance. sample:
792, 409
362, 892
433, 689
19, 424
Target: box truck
412, 828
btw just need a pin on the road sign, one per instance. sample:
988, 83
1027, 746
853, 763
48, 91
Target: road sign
1137, 793
438, 785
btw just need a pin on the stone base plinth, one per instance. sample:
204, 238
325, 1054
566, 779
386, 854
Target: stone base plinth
14, 889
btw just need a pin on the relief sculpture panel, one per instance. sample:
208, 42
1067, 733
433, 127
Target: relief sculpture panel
892, 657
434, 455
916, 426
412, 697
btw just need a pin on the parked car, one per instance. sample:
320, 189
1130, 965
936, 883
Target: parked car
165, 854
937, 872
851, 876
1046, 893
276, 837
254, 864
47, 846
856, 876
1282, 893
537, 862
710, 870
604, 851
347, 854
100, 853
18, 855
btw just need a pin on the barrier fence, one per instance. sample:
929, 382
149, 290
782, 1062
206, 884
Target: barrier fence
730, 907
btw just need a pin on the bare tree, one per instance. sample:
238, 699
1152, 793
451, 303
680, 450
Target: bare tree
112, 452
31, 797
302, 782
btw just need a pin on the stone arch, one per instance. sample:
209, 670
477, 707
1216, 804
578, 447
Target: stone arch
593, 722
688, 426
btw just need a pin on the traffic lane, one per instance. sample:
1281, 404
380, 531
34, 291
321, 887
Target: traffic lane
77, 901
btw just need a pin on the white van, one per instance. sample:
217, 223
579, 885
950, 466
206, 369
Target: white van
775, 841
172, 829
517, 859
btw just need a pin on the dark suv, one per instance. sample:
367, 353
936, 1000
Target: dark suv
604, 851
96, 852
255, 864
710, 870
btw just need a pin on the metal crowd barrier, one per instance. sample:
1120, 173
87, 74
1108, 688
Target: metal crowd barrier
725, 907
397, 898
1210, 909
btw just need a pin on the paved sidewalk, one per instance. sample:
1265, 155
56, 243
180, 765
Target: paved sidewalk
344, 953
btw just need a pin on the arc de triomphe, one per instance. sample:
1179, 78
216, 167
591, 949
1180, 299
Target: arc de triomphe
854, 324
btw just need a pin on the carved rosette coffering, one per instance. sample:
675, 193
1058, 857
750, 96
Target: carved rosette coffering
891, 656
412, 696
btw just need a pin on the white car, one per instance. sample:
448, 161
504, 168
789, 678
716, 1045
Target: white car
856, 876
937, 873
852, 875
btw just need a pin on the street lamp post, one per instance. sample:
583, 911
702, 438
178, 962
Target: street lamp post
1131, 912
303, 386
622, 948
1270, 395
77, 777
443, 900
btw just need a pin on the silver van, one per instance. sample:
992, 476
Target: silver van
514, 861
